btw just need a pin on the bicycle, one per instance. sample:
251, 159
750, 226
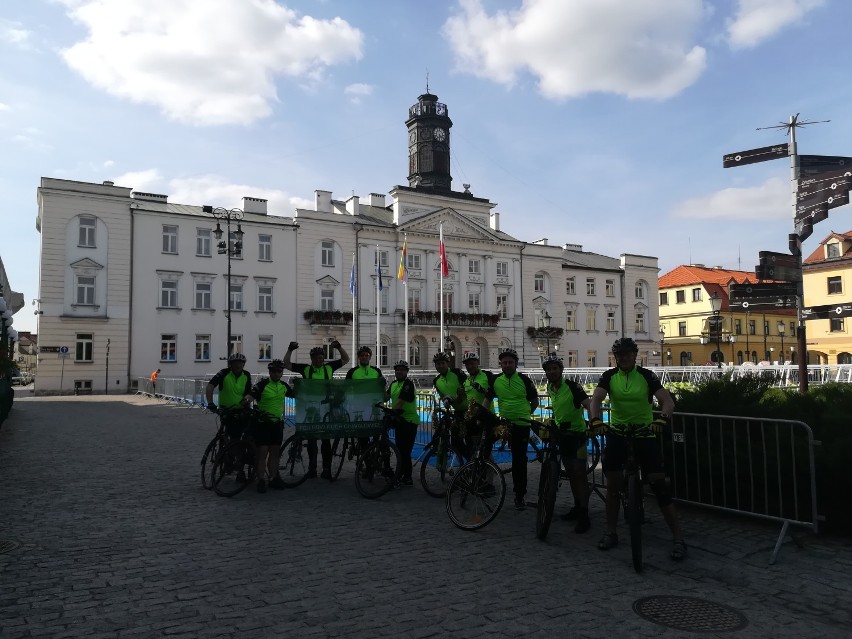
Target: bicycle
440, 460
294, 462
234, 468
377, 469
548, 484
477, 492
535, 448
219, 441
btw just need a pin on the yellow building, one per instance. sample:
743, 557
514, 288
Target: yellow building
827, 276
687, 322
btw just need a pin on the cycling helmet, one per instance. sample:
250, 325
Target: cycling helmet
365, 349
236, 357
624, 345
401, 364
317, 350
441, 356
470, 356
276, 365
511, 352
553, 358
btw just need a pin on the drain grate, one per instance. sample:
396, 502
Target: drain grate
690, 614
7, 545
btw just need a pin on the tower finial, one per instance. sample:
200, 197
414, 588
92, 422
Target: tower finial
427, 80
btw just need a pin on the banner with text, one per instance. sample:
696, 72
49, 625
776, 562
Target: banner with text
338, 407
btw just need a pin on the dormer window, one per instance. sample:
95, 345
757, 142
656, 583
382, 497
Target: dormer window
832, 250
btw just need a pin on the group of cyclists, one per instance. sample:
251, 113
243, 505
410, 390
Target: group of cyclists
473, 393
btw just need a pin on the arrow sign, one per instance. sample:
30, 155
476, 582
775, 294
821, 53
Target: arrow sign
780, 273
813, 164
827, 311
753, 156
763, 302
822, 192
770, 258
752, 291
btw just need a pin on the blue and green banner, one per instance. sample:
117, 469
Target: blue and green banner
338, 407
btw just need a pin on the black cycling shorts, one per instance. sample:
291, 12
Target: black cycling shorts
572, 445
647, 451
268, 433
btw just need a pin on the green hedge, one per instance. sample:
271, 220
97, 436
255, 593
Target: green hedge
827, 409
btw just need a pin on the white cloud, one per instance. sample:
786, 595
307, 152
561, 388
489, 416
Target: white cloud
768, 201
108, 164
214, 190
758, 20
13, 33
139, 180
5, 107
357, 91
639, 49
206, 63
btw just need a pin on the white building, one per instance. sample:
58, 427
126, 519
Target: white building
142, 277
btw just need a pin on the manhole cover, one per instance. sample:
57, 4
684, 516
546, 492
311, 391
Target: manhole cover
7, 545
690, 614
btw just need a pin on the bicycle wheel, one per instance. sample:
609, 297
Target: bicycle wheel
547, 487
476, 494
338, 454
377, 470
438, 469
293, 463
634, 519
593, 455
208, 459
234, 469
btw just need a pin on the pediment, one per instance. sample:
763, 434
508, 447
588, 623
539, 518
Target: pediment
540, 300
328, 280
456, 225
86, 262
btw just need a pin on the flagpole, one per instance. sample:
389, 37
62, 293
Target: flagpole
441, 293
405, 292
353, 288
378, 304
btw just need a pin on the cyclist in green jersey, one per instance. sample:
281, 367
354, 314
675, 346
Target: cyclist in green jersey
568, 399
317, 369
631, 390
234, 384
518, 399
365, 370
401, 395
449, 385
269, 393
480, 411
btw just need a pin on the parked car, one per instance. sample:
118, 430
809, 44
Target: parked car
22, 378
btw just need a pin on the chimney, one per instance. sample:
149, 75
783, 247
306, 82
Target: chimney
572, 247
150, 197
254, 205
352, 205
495, 221
323, 201
109, 183
377, 199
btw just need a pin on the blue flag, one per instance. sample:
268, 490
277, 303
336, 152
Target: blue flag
379, 273
353, 287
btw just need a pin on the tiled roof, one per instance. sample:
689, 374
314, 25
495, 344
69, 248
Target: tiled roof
684, 275
819, 253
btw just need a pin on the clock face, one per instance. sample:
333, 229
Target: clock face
440, 135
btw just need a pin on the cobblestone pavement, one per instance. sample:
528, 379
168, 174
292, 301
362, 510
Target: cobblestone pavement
118, 539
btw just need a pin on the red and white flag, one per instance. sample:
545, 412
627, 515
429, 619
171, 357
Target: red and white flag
445, 268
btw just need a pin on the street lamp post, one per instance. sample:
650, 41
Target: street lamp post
544, 325
716, 305
227, 248
781, 330
662, 344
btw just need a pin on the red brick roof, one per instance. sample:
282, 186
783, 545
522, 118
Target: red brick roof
684, 275
819, 253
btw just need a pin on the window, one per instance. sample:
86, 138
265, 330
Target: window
264, 299
168, 294
327, 300
696, 295
610, 320
473, 302
766, 327
83, 347
236, 344
202, 348
236, 245
835, 285
738, 327
169, 238
87, 232
384, 360
832, 250
382, 257
590, 319
203, 294
414, 354
264, 348
202, 242
792, 329
664, 299
538, 283
503, 306
836, 325
571, 359
448, 301
681, 329
327, 253
610, 288
752, 327
85, 290
383, 297
82, 385
570, 288
502, 269
639, 289
474, 267
590, 286
413, 261
413, 300
680, 297
168, 347
640, 322
570, 320
235, 298
264, 248
591, 359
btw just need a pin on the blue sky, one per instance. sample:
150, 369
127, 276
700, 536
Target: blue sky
595, 122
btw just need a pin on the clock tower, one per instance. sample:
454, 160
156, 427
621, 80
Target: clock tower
429, 144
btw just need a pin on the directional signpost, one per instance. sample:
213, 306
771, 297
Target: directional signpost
764, 295
778, 266
814, 164
752, 156
827, 311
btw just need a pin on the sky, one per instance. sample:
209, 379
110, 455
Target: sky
593, 122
